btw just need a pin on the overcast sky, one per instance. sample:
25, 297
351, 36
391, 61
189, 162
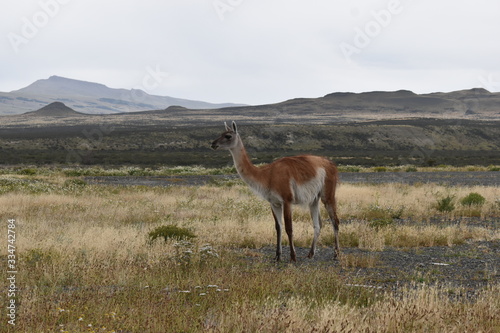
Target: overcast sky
253, 51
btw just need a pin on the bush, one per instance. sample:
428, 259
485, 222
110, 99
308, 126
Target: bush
27, 172
445, 204
473, 199
171, 232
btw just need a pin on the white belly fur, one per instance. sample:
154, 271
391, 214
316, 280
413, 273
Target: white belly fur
264, 192
304, 194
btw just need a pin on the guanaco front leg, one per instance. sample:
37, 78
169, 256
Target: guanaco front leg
278, 214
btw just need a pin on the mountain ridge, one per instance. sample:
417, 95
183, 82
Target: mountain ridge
85, 88
475, 103
90, 97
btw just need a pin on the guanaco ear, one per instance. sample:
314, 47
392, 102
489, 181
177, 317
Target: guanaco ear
227, 127
235, 129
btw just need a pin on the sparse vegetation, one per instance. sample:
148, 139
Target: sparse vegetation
133, 141
380, 169
381, 223
86, 262
445, 204
171, 232
99, 170
411, 168
473, 199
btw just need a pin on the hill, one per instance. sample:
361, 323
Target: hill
55, 109
89, 97
378, 105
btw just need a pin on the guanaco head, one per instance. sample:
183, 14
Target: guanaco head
228, 139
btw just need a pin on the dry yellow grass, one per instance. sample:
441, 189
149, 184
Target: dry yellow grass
230, 216
419, 310
84, 253
418, 202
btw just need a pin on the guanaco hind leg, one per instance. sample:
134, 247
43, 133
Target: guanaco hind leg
287, 215
330, 207
316, 218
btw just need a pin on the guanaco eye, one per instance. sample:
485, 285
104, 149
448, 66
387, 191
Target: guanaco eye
227, 136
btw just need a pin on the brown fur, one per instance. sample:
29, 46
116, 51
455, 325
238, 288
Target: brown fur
304, 179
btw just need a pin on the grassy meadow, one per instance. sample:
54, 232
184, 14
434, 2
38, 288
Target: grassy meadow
86, 262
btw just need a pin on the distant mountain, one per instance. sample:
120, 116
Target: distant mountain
55, 109
90, 97
472, 104
477, 103
95, 98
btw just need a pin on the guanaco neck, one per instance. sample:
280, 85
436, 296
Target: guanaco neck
247, 171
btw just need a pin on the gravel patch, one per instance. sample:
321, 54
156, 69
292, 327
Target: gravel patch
161, 181
468, 267
485, 178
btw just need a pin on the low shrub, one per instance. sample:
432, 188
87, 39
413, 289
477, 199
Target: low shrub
445, 204
28, 172
171, 232
473, 199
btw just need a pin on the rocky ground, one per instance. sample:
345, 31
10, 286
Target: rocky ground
487, 178
467, 267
